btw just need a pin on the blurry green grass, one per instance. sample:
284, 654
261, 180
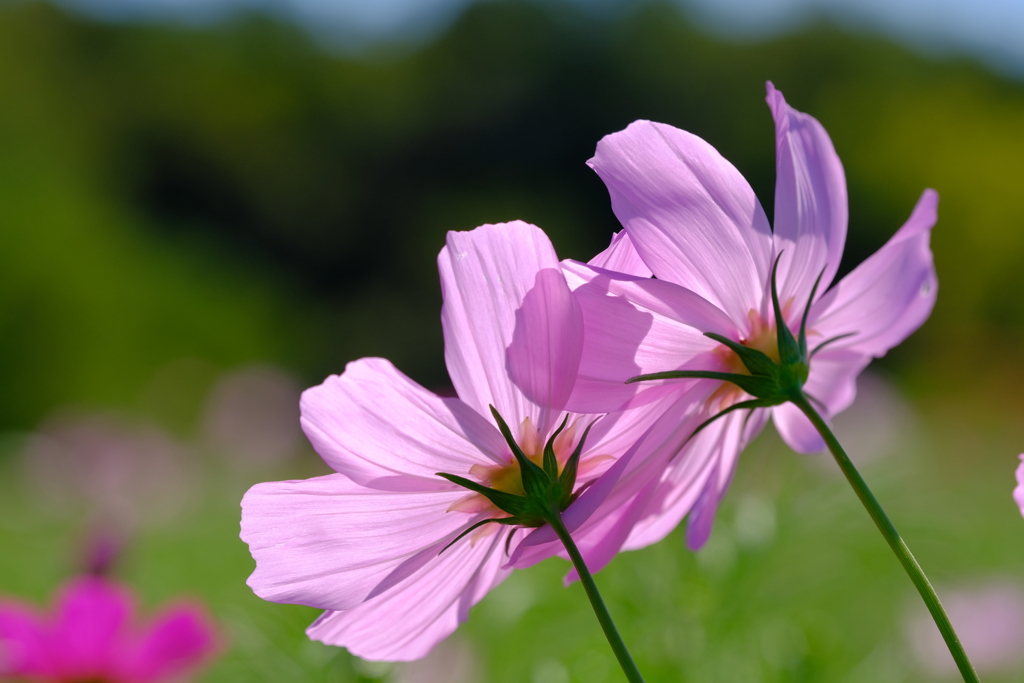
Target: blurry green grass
814, 596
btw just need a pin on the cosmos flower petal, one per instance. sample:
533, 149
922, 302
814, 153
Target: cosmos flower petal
405, 622
692, 217
621, 256
636, 326
725, 446
688, 475
330, 543
178, 640
508, 314
23, 643
381, 429
810, 201
90, 628
1018, 493
888, 296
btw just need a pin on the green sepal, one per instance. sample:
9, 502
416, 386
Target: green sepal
802, 338
754, 403
550, 460
506, 502
758, 362
759, 386
508, 521
533, 476
567, 481
825, 343
789, 350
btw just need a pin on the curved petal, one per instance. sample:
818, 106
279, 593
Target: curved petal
621, 256
1018, 493
92, 615
378, 427
810, 202
725, 447
833, 383
405, 622
177, 641
690, 473
23, 643
692, 217
330, 543
513, 332
888, 296
635, 326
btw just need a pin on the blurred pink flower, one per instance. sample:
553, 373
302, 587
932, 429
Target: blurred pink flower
1018, 493
364, 543
90, 638
696, 224
990, 622
121, 473
252, 416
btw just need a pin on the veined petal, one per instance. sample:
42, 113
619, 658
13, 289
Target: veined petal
833, 382
178, 640
811, 209
330, 543
724, 447
405, 622
690, 473
621, 256
378, 427
23, 643
90, 628
636, 326
888, 296
692, 217
513, 332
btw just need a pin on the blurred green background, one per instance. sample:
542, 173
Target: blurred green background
188, 212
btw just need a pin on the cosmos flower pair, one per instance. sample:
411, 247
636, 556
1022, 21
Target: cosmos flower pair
393, 551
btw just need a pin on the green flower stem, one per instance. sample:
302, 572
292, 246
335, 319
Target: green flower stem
894, 540
610, 632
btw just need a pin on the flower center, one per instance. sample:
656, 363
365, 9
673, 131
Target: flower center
508, 478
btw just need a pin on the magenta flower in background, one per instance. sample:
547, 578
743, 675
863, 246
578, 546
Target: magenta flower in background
91, 637
1018, 493
365, 543
696, 224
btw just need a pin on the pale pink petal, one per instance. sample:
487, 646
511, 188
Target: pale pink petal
179, 640
330, 543
544, 355
833, 382
810, 202
689, 474
90, 628
23, 643
1018, 493
378, 427
889, 295
692, 217
621, 257
726, 447
636, 326
405, 622
502, 288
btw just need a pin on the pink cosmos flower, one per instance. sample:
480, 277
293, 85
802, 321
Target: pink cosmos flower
697, 226
366, 543
90, 638
1018, 493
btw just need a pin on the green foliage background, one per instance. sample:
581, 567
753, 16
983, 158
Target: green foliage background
239, 194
